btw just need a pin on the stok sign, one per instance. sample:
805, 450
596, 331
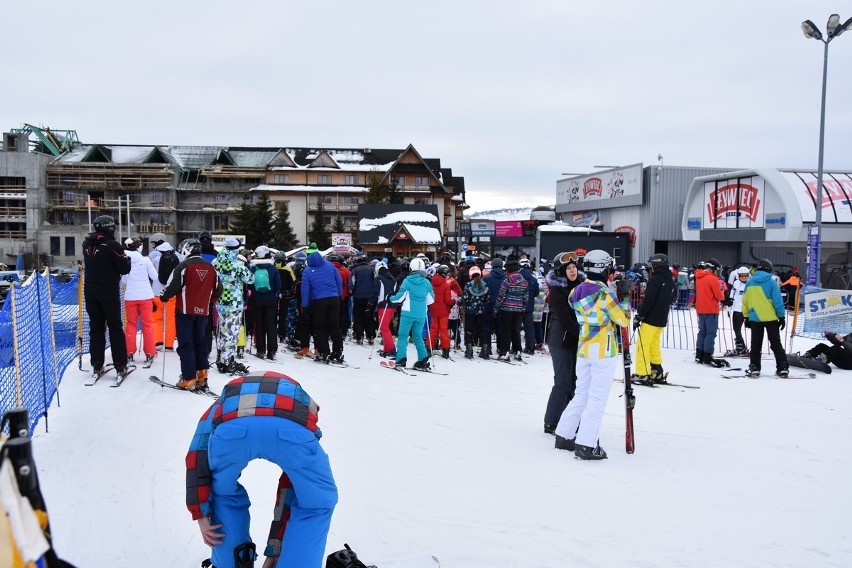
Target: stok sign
734, 200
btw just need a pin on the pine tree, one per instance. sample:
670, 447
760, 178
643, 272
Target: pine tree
394, 195
338, 226
254, 220
318, 234
377, 191
283, 236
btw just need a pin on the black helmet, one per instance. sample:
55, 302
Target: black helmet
765, 265
714, 264
190, 247
659, 260
104, 224
443, 270
205, 236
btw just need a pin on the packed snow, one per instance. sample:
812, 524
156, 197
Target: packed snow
743, 472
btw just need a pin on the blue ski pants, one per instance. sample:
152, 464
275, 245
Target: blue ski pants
296, 450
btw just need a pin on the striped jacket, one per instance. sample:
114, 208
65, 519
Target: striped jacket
258, 394
513, 294
598, 314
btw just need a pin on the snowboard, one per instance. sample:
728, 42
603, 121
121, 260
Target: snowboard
796, 360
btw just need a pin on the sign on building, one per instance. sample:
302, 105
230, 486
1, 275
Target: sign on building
342, 242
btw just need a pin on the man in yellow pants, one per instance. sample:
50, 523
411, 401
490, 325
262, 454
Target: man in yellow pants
651, 318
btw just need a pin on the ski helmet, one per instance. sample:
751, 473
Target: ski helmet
743, 271
417, 264
597, 262
764, 265
379, 266
104, 224
659, 260
444, 270
133, 243
525, 263
205, 236
190, 247
713, 264
262, 251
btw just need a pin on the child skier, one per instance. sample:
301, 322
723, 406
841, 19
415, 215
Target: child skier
475, 299
651, 318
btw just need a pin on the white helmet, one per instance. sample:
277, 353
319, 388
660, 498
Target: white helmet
743, 270
417, 265
262, 251
378, 266
597, 262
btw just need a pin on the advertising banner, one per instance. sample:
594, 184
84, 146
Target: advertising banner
508, 229
827, 311
734, 203
341, 242
813, 254
482, 228
612, 188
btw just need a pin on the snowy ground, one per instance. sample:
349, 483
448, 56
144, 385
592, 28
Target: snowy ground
739, 473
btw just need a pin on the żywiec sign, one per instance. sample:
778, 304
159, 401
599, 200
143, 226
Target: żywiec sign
734, 203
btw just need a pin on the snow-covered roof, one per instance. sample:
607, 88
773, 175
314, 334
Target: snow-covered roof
380, 223
310, 188
423, 235
397, 218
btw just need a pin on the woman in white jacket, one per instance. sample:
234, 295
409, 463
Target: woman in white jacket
139, 300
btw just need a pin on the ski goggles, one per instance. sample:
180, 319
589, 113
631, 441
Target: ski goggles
567, 258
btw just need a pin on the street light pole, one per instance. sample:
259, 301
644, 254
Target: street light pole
833, 29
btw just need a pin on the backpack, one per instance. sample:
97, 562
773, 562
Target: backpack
261, 281
168, 261
681, 279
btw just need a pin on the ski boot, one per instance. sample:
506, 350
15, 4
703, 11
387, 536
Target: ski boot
588, 453
149, 360
563, 443
699, 356
643, 380
517, 356
445, 353
549, 428
658, 375
240, 352
222, 367
782, 373
336, 358
187, 384
201, 380
468, 351
401, 363
423, 365
485, 352
718, 363
752, 372
320, 358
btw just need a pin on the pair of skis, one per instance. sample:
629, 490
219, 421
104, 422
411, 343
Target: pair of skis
405, 370
106, 369
629, 397
205, 392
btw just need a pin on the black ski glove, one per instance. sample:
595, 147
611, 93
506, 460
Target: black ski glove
728, 301
747, 323
637, 321
782, 323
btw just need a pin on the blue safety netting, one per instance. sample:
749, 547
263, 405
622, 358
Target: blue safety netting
41, 332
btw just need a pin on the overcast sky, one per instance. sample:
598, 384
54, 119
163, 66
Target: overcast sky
507, 94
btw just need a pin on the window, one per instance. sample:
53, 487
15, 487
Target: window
281, 205
326, 220
67, 218
8, 182
323, 179
421, 181
54, 246
351, 200
220, 223
280, 178
70, 246
350, 221
324, 199
421, 201
158, 218
352, 180
400, 181
221, 200
158, 198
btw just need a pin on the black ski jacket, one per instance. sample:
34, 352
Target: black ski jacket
104, 262
654, 309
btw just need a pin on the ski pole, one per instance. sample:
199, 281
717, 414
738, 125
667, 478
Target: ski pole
165, 315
